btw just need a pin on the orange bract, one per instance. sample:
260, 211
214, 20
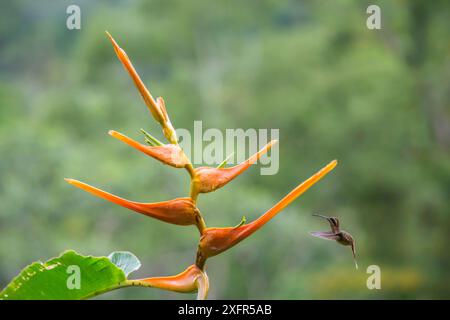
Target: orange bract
170, 154
180, 211
148, 98
211, 179
190, 280
157, 108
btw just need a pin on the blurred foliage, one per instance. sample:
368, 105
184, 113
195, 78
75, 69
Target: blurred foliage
379, 101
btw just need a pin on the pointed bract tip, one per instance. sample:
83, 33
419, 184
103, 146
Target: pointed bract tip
330, 166
111, 39
68, 180
269, 145
118, 135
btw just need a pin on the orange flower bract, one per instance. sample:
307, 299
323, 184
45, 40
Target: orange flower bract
211, 179
190, 280
180, 211
170, 154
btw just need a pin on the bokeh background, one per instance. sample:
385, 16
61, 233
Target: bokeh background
378, 101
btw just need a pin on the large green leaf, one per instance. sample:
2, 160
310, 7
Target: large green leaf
71, 276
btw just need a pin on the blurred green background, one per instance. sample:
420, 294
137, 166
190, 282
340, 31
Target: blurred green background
378, 101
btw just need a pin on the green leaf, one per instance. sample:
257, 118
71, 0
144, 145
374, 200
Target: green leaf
70, 276
126, 261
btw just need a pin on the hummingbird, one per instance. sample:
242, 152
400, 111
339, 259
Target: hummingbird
336, 234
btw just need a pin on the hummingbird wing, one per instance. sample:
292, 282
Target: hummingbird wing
327, 235
334, 224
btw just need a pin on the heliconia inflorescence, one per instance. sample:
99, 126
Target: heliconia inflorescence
184, 211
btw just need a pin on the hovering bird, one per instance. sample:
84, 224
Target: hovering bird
336, 234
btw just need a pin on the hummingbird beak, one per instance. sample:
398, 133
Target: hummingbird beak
319, 215
354, 254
